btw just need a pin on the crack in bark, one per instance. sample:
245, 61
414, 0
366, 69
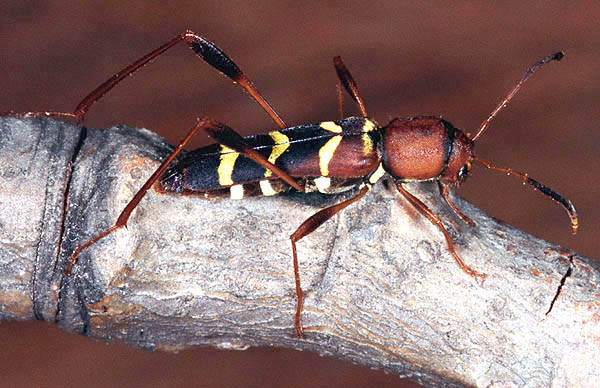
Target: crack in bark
64, 209
562, 283
34, 276
67, 188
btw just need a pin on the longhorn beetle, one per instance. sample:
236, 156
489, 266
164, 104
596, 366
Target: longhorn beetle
327, 157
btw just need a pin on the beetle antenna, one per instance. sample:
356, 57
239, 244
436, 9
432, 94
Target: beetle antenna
557, 56
567, 204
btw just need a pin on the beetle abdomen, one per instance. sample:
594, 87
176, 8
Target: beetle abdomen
326, 156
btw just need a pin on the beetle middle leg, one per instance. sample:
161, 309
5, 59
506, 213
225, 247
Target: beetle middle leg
307, 227
345, 79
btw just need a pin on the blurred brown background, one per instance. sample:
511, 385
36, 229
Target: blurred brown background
408, 58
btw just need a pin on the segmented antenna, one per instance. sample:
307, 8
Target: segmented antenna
557, 56
567, 204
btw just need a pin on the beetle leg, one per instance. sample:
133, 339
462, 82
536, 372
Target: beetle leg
346, 79
126, 213
203, 48
307, 227
445, 192
434, 219
230, 138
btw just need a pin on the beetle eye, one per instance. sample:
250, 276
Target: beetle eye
463, 172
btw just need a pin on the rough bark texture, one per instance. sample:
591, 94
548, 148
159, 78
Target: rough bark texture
382, 289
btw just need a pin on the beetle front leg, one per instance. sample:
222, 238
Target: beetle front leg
434, 219
445, 192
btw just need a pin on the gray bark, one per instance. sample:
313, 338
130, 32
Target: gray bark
382, 289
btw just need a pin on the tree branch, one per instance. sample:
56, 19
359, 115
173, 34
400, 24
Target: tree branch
382, 289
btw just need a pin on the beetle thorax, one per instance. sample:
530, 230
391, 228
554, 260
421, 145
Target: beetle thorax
424, 148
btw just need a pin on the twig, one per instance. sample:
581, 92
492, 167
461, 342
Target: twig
382, 289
